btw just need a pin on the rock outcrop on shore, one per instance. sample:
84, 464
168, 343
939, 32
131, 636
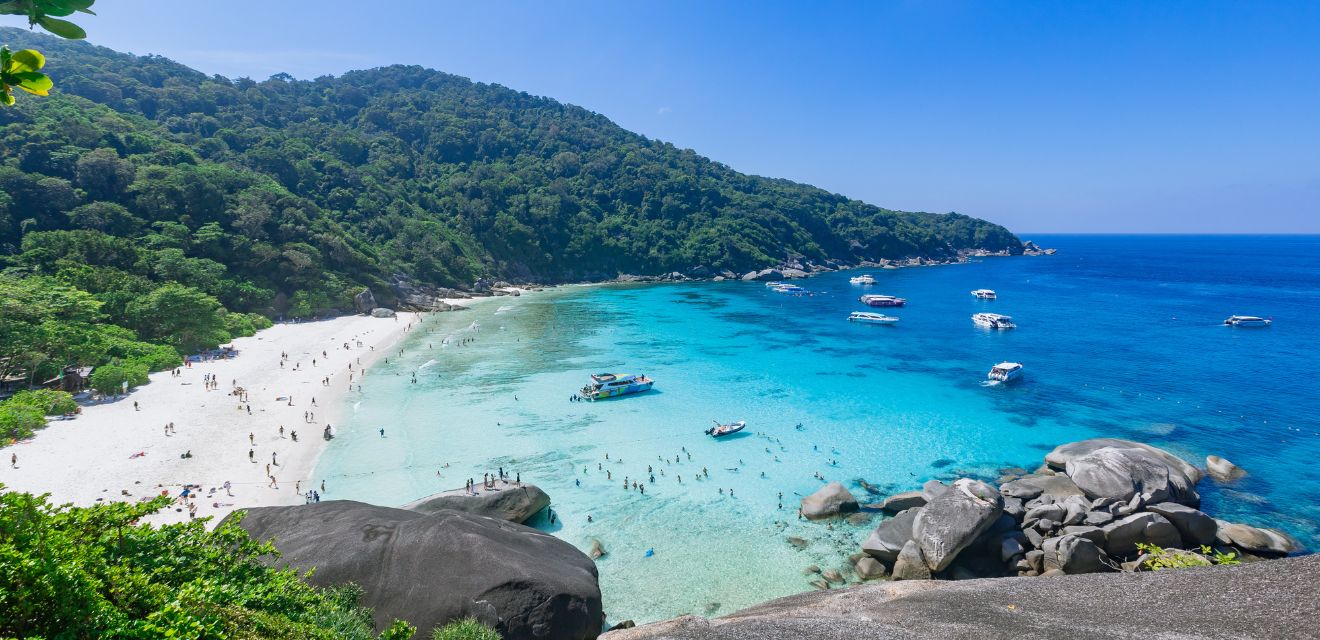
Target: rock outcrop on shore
1274, 599
511, 502
429, 569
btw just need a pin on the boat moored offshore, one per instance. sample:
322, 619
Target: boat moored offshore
1005, 372
720, 430
993, 321
873, 300
871, 318
1248, 321
790, 290
865, 278
985, 294
611, 385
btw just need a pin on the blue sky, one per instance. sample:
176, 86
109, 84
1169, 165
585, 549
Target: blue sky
1044, 116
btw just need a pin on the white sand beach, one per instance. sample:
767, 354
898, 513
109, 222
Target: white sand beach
93, 457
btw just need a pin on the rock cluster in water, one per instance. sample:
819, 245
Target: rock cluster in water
512, 502
1089, 509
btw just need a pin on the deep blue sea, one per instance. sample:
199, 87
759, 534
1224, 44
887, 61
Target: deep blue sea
1120, 336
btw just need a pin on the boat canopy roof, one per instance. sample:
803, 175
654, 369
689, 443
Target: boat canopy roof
995, 316
1008, 365
611, 377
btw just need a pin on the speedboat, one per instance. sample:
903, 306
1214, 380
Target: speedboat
611, 385
985, 294
790, 290
721, 430
865, 278
993, 321
872, 300
776, 283
871, 318
1248, 321
1005, 372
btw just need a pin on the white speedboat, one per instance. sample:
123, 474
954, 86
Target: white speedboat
790, 290
871, 318
985, 294
1005, 372
1248, 321
993, 321
865, 278
776, 283
720, 430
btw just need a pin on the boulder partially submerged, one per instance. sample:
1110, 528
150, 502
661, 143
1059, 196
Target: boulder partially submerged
829, 501
429, 569
1222, 470
511, 502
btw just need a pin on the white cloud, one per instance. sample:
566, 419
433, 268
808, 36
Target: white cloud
664, 111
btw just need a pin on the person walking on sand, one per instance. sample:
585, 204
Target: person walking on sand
272, 459
13, 460
135, 406
273, 483
228, 488
252, 455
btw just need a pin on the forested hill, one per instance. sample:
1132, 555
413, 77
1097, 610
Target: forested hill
262, 192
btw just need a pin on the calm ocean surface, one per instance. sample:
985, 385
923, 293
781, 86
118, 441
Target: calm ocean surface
1121, 336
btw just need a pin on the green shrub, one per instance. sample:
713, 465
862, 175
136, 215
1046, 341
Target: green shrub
94, 572
109, 379
465, 629
19, 421
156, 357
49, 401
1159, 558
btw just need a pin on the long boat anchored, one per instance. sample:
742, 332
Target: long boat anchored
610, 385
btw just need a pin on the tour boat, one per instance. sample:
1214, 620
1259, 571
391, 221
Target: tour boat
993, 321
790, 289
872, 300
865, 278
871, 318
1247, 321
610, 385
1005, 372
721, 430
776, 283
985, 294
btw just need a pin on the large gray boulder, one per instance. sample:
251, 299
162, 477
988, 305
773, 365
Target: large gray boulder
1122, 536
1195, 527
511, 502
1269, 542
364, 302
1122, 473
932, 489
903, 501
888, 538
1223, 470
1073, 554
953, 520
1059, 457
829, 501
1273, 599
910, 565
382, 312
1057, 487
429, 569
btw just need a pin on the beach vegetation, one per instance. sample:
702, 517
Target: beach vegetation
116, 377
465, 629
1158, 558
99, 572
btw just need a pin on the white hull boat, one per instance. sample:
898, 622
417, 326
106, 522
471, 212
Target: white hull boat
871, 318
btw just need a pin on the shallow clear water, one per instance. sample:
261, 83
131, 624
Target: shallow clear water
1121, 336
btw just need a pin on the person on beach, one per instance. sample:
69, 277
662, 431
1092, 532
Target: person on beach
382, 432
322, 489
252, 455
228, 492
13, 460
281, 431
252, 439
135, 406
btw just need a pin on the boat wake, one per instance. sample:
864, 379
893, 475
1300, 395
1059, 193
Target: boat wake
991, 383
426, 364
503, 309
356, 405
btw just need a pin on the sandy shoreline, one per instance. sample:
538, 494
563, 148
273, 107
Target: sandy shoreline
91, 458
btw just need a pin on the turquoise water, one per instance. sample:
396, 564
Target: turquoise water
1121, 336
